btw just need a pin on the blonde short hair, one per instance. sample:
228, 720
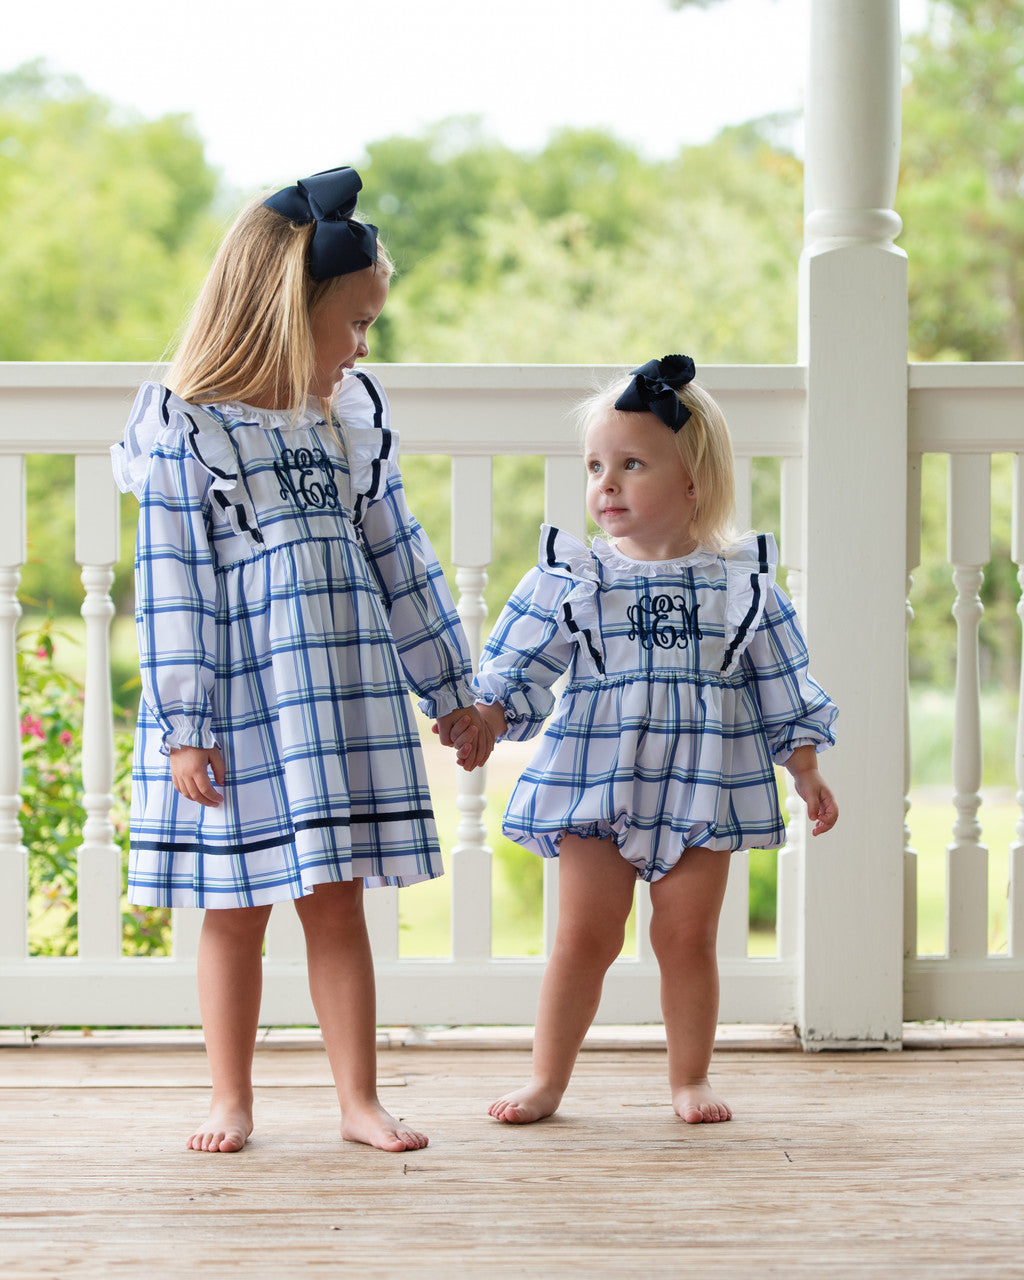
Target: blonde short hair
705, 448
249, 335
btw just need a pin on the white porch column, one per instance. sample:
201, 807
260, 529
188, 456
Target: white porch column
853, 342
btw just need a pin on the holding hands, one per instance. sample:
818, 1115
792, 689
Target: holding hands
469, 733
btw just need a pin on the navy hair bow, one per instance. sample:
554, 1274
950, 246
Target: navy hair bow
339, 244
653, 390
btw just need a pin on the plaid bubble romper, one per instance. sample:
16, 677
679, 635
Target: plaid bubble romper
286, 600
687, 684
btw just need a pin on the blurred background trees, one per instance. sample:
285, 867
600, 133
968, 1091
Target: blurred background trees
585, 251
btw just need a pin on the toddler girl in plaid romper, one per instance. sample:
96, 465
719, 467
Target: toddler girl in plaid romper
285, 599
687, 682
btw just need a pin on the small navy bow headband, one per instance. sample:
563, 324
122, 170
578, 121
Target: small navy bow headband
339, 244
653, 390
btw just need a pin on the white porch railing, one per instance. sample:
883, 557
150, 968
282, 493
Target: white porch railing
473, 414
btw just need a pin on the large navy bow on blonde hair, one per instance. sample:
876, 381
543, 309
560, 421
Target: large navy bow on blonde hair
653, 390
339, 244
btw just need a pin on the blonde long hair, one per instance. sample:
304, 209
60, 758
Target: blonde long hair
249, 334
705, 448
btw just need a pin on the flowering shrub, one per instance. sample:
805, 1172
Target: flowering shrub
52, 814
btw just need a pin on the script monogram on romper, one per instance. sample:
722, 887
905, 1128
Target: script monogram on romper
307, 477
650, 623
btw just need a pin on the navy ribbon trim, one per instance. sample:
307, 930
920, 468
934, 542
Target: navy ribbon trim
755, 586
355, 819
549, 553
576, 629
377, 466
239, 508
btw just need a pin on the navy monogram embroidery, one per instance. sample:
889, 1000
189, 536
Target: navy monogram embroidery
650, 624
307, 477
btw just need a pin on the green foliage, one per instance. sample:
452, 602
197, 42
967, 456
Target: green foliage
585, 252
763, 868
105, 219
961, 182
51, 812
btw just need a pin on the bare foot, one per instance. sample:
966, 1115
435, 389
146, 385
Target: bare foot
697, 1104
524, 1106
227, 1129
372, 1124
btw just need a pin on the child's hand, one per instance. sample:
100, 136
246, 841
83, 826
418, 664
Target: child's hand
821, 803
469, 733
810, 786
190, 773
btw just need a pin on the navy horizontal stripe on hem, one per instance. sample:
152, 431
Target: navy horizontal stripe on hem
357, 819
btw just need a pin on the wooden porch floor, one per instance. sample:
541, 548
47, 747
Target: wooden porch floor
840, 1164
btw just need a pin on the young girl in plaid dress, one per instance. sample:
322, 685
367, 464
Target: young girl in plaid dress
285, 599
687, 682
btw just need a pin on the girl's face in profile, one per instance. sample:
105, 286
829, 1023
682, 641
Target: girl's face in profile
637, 486
340, 325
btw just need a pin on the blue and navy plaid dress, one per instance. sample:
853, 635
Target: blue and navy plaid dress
687, 683
285, 600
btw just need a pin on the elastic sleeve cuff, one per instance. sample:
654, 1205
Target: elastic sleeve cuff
186, 733
782, 753
441, 701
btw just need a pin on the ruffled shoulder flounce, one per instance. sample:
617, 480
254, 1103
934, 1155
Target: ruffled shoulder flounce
363, 415
564, 556
750, 575
159, 416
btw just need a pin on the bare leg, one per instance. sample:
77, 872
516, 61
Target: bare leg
229, 967
341, 983
686, 904
595, 894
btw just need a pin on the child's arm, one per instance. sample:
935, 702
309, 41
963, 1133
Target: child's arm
810, 787
175, 600
526, 653
424, 621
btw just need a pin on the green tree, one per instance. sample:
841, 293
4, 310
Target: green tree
106, 222
108, 225
962, 181
585, 252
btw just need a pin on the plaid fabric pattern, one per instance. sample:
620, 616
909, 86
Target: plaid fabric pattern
687, 683
285, 601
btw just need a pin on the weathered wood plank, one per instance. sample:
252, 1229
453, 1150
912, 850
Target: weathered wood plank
838, 1164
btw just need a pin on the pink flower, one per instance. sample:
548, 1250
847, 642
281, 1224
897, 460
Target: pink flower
67, 738
32, 726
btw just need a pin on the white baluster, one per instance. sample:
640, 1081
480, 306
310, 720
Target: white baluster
1015, 905
97, 550
13, 854
744, 469
565, 488
790, 856
642, 906
285, 939
909, 854
471, 856
966, 857
734, 921
186, 925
